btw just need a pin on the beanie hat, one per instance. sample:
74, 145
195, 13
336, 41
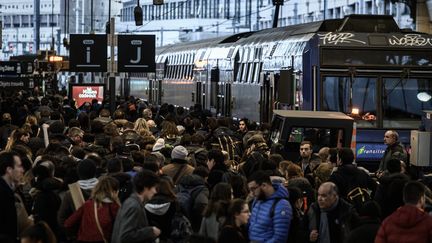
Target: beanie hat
179, 152
160, 143
86, 169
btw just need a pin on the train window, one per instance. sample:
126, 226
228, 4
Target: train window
239, 73
320, 137
404, 100
251, 72
338, 90
258, 67
245, 72
376, 57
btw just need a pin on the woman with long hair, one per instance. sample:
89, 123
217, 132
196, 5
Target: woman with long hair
18, 136
96, 216
140, 126
237, 217
214, 214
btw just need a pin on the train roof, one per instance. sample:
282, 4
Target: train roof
354, 23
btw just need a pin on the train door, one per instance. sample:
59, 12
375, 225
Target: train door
267, 96
216, 97
199, 95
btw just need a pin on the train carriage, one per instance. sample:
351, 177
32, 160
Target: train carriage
361, 65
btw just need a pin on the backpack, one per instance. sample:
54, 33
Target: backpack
358, 196
225, 141
185, 198
181, 228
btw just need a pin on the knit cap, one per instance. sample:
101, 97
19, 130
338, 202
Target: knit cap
160, 143
179, 152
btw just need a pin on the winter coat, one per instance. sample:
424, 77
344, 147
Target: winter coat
47, 202
160, 211
85, 218
339, 220
348, 177
67, 206
395, 150
131, 224
408, 224
176, 165
232, 234
216, 175
200, 198
210, 226
389, 193
8, 214
263, 227
365, 233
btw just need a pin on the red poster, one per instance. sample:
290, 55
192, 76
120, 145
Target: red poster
82, 94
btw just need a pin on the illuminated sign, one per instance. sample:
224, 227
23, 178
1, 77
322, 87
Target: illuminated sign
87, 93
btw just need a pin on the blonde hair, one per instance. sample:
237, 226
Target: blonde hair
107, 187
32, 120
140, 126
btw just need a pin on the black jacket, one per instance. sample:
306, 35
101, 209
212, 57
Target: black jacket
339, 220
389, 193
365, 232
348, 177
8, 215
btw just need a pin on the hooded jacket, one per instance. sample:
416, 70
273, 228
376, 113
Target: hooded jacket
263, 227
408, 224
160, 212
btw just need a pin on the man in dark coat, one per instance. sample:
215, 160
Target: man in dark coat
394, 149
348, 177
329, 218
368, 224
11, 173
131, 224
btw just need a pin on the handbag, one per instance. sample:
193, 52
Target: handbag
97, 222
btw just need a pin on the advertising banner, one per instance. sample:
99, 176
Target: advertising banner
86, 93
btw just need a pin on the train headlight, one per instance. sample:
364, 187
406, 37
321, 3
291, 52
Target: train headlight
355, 111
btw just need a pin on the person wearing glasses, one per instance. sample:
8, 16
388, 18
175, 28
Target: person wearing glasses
271, 211
234, 229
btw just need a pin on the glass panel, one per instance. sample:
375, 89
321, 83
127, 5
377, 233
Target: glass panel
245, 72
251, 72
320, 137
336, 97
376, 57
404, 100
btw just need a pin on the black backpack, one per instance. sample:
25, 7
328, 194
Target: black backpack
185, 198
358, 197
181, 228
226, 141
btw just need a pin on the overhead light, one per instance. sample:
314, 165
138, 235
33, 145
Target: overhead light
355, 111
424, 96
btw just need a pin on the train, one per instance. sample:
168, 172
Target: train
362, 65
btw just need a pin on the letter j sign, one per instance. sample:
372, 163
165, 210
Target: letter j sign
136, 53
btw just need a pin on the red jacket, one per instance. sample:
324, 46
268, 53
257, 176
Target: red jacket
85, 218
408, 224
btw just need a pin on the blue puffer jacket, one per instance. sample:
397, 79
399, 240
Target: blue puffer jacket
264, 228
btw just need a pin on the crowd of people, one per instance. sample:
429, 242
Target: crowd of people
165, 174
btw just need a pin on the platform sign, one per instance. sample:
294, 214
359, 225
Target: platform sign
15, 68
136, 53
14, 83
88, 53
370, 151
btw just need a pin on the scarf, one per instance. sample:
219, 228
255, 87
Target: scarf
324, 230
88, 184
